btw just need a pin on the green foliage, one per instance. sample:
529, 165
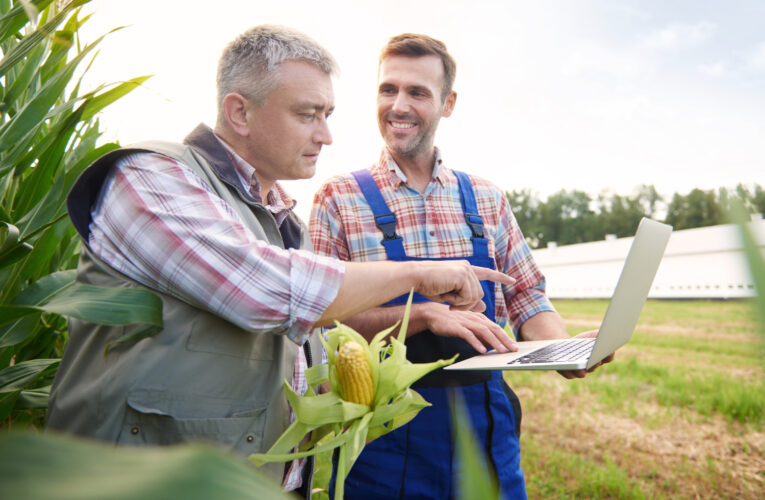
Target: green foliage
476, 480
48, 135
569, 217
755, 258
43, 466
697, 209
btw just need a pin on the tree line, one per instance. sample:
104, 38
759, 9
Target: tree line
568, 217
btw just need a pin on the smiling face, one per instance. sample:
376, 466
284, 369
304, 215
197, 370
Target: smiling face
286, 134
409, 104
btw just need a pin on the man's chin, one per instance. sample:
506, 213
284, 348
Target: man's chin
406, 150
307, 173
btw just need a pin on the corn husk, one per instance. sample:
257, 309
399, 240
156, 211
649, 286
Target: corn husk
335, 423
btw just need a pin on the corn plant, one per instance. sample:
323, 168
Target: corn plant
379, 372
48, 135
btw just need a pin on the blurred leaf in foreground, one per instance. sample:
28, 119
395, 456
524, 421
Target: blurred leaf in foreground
37, 466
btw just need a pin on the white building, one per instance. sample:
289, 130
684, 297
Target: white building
707, 262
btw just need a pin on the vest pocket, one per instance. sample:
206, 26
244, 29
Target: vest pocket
155, 419
220, 337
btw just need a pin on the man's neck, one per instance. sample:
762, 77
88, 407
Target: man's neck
418, 169
234, 143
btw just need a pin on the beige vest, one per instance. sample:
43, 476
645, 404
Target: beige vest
201, 378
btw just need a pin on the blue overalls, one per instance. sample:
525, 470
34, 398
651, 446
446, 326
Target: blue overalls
418, 460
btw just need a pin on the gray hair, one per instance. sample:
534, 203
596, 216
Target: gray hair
248, 64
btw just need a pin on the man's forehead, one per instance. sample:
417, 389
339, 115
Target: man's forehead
396, 66
305, 82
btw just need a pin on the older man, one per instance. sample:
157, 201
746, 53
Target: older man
207, 226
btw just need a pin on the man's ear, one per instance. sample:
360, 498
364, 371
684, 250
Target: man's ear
235, 108
449, 103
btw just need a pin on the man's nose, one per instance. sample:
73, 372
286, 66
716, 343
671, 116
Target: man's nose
323, 134
401, 103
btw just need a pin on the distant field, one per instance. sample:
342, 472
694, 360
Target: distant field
679, 414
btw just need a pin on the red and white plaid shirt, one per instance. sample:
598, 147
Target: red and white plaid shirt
160, 224
431, 225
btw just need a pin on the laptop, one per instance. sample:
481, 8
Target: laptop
619, 322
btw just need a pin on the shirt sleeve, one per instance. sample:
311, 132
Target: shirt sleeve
526, 297
161, 225
325, 225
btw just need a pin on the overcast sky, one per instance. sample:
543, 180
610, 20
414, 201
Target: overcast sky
589, 94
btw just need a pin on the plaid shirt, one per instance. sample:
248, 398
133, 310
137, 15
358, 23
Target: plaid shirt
431, 225
160, 224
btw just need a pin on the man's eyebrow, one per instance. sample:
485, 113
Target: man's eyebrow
418, 88
305, 105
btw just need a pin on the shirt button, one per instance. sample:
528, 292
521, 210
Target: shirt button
134, 431
249, 439
432, 233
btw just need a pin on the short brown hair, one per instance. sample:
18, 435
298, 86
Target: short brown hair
414, 45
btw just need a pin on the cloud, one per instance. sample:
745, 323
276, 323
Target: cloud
679, 36
716, 70
756, 60
588, 58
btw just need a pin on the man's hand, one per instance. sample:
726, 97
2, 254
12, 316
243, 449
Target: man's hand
473, 327
569, 374
456, 282
370, 284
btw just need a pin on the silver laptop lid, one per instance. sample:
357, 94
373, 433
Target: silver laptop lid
632, 289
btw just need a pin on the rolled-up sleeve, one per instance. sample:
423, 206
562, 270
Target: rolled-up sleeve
160, 224
526, 297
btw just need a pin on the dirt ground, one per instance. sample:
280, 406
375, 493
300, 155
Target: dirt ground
707, 458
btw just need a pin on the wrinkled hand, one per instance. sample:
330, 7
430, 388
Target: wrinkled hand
473, 327
569, 374
456, 282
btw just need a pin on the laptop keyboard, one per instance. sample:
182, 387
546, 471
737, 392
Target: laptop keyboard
561, 351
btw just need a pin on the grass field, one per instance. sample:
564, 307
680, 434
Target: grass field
679, 414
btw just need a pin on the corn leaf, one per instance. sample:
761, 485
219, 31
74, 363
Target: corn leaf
317, 375
16, 17
18, 331
30, 42
35, 111
36, 466
93, 105
476, 481
108, 306
324, 408
34, 398
16, 377
23, 79
58, 293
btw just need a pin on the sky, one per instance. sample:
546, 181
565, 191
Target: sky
593, 95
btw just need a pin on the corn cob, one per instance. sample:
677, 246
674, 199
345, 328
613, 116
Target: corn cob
354, 374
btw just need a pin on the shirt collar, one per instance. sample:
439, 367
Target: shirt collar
279, 202
398, 177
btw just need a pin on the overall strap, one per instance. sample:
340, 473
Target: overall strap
384, 218
470, 209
